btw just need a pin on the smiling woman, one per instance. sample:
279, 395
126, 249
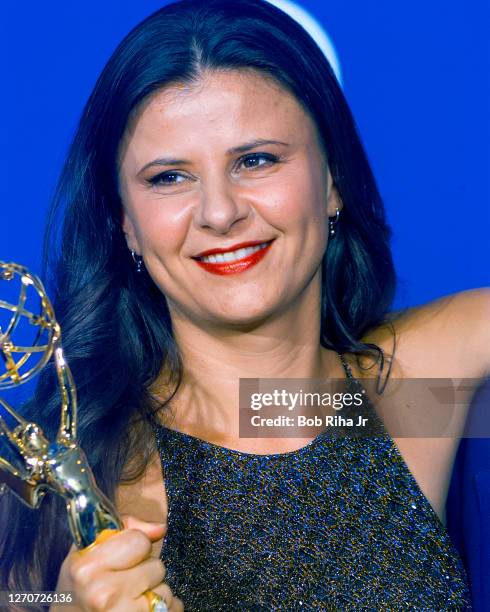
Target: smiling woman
220, 222
238, 177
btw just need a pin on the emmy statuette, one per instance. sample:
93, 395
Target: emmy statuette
38, 464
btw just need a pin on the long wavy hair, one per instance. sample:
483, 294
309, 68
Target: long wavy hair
116, 326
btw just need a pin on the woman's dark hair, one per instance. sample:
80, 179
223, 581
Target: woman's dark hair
116, 326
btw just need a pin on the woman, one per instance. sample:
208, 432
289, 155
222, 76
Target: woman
219, 126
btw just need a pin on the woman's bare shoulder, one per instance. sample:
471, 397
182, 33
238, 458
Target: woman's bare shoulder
446, 337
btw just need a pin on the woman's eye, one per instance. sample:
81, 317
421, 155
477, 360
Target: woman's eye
249, 162
166, 178
257, 160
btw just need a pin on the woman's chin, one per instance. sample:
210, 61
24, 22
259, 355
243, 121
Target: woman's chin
248, 317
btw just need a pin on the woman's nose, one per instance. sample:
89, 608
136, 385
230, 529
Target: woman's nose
220, 206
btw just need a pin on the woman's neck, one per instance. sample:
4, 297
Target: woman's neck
216, 358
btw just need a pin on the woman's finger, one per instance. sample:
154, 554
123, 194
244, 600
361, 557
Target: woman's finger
178, 605
123, 550
145, 576
155, 531
173, 603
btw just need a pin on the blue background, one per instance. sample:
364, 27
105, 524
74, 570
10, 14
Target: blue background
417, 78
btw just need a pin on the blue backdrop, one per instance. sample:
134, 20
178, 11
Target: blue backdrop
416, 76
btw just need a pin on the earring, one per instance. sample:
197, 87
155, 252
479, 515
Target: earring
138, 260
333, 223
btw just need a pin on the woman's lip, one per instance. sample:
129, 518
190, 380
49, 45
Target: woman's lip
234, 267
234, 247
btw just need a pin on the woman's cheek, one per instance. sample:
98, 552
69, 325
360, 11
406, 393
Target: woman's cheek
281, 206
167, 225
299, 196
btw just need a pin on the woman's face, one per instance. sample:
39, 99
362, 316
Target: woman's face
232, 159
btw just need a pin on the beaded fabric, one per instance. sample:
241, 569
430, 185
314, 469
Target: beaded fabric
339, 524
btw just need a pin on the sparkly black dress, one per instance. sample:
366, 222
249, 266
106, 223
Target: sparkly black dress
339, 524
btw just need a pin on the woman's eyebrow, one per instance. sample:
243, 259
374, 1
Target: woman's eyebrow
171, 161
254, 143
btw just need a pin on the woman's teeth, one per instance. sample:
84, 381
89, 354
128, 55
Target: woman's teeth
233, 255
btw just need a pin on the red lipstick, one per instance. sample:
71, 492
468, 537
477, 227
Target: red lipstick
233, 247
234, 267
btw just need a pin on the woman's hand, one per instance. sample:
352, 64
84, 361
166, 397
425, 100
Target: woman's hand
113, 575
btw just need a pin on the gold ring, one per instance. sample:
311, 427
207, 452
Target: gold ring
155, 601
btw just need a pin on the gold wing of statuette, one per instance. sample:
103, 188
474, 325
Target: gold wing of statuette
67, 432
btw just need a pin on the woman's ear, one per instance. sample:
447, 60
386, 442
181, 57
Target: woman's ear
129, 233
333, 199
